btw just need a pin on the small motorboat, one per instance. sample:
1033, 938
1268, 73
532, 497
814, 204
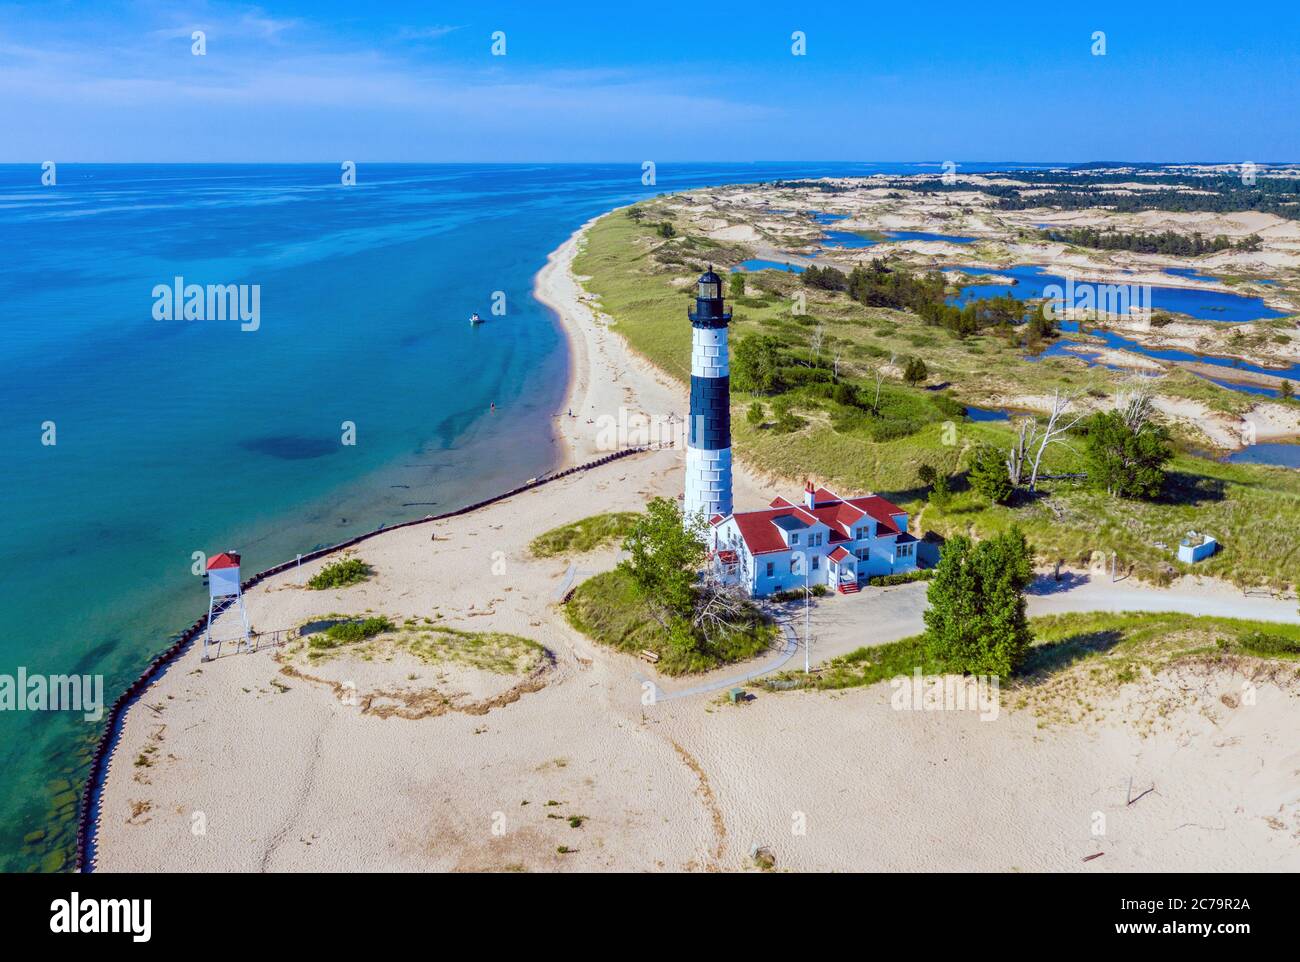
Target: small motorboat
475, 319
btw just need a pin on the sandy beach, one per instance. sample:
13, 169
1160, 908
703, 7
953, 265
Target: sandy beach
240, 765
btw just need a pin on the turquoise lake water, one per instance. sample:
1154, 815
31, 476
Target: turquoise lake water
180, 436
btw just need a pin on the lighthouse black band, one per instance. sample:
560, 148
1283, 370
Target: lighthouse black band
710, 428
709, 317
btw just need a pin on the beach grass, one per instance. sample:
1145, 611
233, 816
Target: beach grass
609, 609
374, 638
1111, 648
584, 535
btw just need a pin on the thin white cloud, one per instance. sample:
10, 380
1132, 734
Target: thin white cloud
302, 87
425, 33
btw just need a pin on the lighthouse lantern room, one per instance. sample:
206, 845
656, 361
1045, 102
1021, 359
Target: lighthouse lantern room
224, 592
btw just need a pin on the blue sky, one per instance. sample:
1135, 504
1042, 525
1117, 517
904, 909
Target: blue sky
661, 80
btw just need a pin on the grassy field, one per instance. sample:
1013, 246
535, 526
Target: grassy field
585, 535
645, 284
1101, 648
608, 609
373, 638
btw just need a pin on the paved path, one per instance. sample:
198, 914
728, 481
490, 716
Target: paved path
875, 616
1080, 593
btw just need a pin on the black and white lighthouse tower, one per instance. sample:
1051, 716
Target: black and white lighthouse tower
708, 442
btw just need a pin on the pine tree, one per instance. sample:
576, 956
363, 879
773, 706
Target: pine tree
989, 475
976, 621
1127, 462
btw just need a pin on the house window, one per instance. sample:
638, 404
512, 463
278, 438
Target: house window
771, 567
816, 565
794, 538
819, 539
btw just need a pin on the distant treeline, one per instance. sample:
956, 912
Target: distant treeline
1166, 242
1077, 190
821, 185
924, 294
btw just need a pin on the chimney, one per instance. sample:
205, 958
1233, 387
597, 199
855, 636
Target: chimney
810, 495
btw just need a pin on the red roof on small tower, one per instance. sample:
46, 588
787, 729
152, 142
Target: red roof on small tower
227, 559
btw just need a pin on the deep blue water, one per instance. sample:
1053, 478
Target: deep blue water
987, 414
926, 236
846, 240
183, 436
759, 264
1286, 455
1204, 305
1189, 272
1122, 343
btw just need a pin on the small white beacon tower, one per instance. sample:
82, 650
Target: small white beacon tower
223, 593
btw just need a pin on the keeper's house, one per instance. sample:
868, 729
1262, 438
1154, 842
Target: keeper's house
842, 542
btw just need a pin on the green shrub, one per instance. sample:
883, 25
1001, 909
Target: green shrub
906, 577
1260, 643
788, 423
339, 574
348, 632
610, 609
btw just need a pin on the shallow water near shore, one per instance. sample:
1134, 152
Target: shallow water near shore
176, 437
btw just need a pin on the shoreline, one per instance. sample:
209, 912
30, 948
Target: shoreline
334, 787
555, 288
607, 379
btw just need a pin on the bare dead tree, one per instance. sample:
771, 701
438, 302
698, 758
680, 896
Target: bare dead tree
1054, 431
880, 378
1135, 405
718, 606
815, 342
1020, 450
839, 353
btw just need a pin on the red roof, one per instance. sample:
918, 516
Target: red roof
224, 560
839, 554
761, 536
728, 557
715, 520
880, 509
840, 517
